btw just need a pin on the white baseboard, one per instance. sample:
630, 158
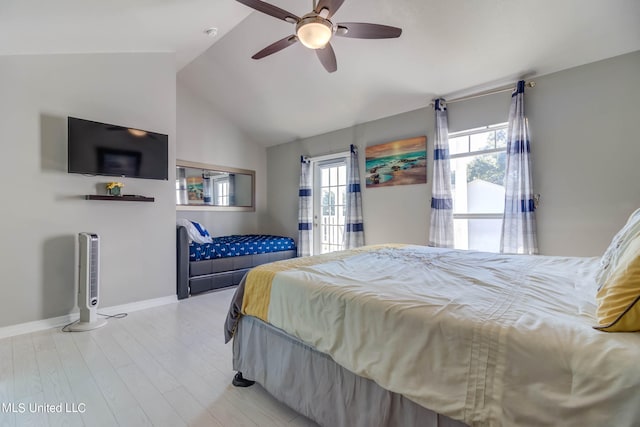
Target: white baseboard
138, 305
54, 322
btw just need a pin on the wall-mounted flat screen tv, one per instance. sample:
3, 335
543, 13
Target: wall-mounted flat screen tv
102, 149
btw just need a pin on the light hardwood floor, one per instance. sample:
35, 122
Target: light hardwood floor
164, 366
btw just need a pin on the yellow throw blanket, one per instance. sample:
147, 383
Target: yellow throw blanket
257, 291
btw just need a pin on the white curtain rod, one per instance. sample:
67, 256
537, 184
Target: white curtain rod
487, 92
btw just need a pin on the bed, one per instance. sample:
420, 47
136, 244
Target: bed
415, 336
223, 262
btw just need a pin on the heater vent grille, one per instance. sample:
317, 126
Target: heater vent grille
94, 260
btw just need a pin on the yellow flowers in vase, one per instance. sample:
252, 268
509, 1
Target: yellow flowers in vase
114, 188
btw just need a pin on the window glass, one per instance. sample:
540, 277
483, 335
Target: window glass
459, 145
477, 177
481, 189
477, 234
501, 138
482, 141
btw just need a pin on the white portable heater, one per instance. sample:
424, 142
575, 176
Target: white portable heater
88, 283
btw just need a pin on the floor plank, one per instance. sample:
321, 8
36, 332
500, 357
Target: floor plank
83, 385
190, 410
122, 403
7, 417
155, 406
163, 366
56, 388
26, 377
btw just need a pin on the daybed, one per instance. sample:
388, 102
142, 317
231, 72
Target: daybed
397, 335
225, 261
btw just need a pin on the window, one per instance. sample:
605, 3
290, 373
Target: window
221, 191
478, 160
329, 189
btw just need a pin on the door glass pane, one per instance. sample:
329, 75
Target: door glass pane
332, 207
342, 176
341, 194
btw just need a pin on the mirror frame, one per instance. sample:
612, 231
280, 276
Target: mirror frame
209, 167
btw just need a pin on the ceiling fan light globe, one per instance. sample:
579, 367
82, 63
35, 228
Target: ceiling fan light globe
314, 32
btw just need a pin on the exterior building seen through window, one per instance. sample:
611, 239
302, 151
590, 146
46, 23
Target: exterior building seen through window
478, 163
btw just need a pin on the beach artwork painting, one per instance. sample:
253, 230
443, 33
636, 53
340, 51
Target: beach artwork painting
399, 162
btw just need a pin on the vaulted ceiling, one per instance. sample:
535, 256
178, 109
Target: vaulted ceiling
447, 47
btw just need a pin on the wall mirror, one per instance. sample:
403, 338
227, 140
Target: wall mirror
200, 186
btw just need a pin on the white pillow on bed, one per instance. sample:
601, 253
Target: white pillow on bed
619, 298
194, 233
619, 242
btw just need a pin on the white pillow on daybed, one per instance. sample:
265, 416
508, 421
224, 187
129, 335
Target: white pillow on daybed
192, 230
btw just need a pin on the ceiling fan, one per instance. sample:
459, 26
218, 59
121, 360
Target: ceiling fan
315, 29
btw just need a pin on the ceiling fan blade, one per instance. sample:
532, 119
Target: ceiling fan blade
276, 47
331, 5
361, 30
270, 10
328, 58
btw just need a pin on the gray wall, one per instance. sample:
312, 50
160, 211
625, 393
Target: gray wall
585, 151
585, 126
205, 135
391, 214
42, 206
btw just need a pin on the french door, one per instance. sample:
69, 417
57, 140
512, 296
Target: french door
329, 204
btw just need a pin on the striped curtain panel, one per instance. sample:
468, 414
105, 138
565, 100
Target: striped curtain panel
441, 226
353, 229
519, 221
305, 209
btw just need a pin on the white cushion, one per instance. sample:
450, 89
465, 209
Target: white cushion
193, 232
619, 242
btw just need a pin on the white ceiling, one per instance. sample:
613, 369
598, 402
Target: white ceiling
448, 47
88, 26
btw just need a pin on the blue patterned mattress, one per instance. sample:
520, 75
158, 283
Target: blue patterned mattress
238, 245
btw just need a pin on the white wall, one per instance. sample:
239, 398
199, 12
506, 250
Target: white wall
585, 152
42, 206
205, 135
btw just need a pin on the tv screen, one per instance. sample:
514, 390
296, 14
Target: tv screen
102, 149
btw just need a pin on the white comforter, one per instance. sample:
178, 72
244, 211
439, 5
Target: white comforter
484, 338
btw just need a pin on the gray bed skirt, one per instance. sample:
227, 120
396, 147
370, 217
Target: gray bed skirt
311, 383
